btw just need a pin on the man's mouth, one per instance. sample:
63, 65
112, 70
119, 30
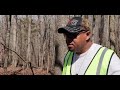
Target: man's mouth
70, 45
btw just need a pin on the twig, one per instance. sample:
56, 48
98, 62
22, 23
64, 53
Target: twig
14, 52
31, 67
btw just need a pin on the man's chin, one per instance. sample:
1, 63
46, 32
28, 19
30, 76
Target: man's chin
71, 49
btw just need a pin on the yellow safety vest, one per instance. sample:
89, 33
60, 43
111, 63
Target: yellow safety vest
98, 66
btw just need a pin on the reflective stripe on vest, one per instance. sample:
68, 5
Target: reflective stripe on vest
98, 66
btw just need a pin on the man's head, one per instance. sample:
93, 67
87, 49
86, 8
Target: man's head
77, 33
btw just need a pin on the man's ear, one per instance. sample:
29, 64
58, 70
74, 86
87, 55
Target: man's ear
88, 34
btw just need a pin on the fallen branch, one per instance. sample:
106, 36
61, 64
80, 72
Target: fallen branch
29, 63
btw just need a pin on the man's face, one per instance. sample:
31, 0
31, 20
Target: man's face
75, 42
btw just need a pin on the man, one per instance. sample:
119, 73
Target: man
85, 57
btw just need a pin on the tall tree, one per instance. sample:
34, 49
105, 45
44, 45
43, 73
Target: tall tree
29, 17
14, 38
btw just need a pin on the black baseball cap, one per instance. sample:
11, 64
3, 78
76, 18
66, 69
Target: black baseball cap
74, 26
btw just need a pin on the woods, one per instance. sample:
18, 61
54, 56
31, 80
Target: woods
30, 44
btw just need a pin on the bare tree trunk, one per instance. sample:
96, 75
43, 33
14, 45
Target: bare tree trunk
14, 34
96, 28
52, 42
24, 39
117, 31
112, 32
29, 39
35, 42
41, 40
106, 31
5, 36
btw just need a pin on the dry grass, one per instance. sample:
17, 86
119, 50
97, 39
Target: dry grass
20, 71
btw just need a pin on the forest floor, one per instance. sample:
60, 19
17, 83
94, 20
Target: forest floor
20, 71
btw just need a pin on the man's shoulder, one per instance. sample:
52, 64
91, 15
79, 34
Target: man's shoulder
97, 45
102, 46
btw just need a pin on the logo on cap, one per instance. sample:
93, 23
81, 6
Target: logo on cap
73, 22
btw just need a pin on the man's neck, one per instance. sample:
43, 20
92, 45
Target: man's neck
86, 48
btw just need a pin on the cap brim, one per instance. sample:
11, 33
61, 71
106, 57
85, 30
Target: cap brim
66, 30
62, 30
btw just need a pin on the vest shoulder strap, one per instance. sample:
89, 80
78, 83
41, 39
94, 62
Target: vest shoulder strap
100, 62
67, 63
